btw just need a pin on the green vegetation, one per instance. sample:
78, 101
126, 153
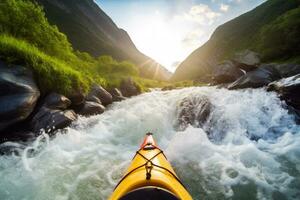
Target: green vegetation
90, 30
28, 39
26, 20
51, 74
281, 38
272, 29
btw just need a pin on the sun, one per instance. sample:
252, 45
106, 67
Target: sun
159, 39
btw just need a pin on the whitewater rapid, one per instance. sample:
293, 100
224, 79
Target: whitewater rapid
253, 151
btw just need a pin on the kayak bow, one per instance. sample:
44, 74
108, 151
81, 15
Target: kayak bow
150, 176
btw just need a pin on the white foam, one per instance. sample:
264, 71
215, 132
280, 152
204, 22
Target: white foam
88, 161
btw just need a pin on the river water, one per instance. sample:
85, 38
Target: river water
252, 152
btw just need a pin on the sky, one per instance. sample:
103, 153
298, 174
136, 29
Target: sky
169, 30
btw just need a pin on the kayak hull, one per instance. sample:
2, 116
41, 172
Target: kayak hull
162, 175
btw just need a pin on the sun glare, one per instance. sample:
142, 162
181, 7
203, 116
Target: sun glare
160, 39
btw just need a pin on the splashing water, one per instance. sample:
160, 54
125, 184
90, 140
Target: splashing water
252, 151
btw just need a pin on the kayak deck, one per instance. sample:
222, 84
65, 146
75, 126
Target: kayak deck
148, 170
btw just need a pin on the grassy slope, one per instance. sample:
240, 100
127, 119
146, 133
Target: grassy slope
35, 43
90, 30
51, 73
266, 29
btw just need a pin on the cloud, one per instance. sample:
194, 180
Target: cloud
224, 7
201, 14
235, 1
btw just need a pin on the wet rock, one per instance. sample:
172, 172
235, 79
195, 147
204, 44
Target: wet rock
17, 136
18, 96
226, 72
99, 92
56, 101
287, 70
117, 95
247, 60
93, 99
193, 110
77, 98
288, 90
91, 108
49, 120
129, 88
169, 87
260, 77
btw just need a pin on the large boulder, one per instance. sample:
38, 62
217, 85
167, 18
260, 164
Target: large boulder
117, 94
91, 108
260, 77
226, 72
247, 60
100, 93
288, 89
193, 110
56, 101
129, 88
264, 75
287, 70
49, 120
18, 96
52, 114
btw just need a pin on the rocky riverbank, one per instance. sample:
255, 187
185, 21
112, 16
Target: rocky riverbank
245, 70
25, 112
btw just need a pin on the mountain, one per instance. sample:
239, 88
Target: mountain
271, 29
89, 29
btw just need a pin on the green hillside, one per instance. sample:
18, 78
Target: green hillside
27, 38
271, 29
90, 30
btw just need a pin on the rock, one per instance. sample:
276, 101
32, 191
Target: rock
99, 92
287, 70
288, 89
56, 101
168, 87
93, 99
117, 95
226, 72
129, 88
193, 110
91, 108
52, 114
247, 60
50, 120
116, 92
18, 96
77, 98
17, 136
260, 77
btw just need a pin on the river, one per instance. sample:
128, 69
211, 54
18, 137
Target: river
252, 152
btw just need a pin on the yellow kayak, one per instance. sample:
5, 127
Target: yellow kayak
150, 176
